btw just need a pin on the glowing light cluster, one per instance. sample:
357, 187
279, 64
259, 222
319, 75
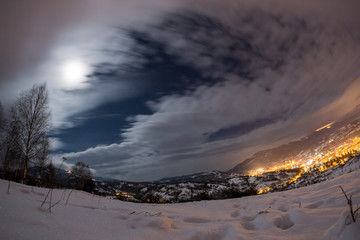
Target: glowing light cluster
263, 190
320, 162
326, 126
124, 195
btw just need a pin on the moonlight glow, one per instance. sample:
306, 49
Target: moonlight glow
73, 72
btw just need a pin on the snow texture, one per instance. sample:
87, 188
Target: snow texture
318, 211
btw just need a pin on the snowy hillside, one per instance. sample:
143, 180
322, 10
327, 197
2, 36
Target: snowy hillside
319, 211
220, 185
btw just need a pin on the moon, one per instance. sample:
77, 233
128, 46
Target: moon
74, 72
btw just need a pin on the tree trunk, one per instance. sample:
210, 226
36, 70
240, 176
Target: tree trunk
25, 168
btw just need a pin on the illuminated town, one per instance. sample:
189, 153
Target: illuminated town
123, 194
319, 162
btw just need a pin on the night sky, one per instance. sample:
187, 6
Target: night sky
141, 90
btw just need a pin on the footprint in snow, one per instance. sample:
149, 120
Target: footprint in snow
283, 222
283, 208
249, 218
124, 217
196, 220
235, 214
273, 202
236, 205
247, 225
161, 223
314, 205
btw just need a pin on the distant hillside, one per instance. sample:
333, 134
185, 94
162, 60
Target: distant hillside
305, 148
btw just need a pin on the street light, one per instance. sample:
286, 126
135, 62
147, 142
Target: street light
64, 159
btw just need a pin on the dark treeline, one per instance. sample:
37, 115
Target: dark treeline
24, 130
25, 145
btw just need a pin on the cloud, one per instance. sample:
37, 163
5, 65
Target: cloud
293, 67
218, 124
55, 143
39, 38
269, 73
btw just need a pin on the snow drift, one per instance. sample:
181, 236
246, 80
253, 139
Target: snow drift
318, 211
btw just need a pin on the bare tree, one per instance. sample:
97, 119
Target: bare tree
9, 152
82, 173
51, 175
2, 118
31, 115
3, 139
42, 159
9, 148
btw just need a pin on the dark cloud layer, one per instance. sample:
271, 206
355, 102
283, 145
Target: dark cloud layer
261, 73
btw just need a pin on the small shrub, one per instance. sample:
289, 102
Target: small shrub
353, 212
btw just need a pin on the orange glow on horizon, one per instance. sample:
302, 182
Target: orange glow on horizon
317, 161
326, 126
320, 162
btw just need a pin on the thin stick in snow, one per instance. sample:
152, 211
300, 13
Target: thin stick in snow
50, 200
68, 197
8, 190
63, 195
45, 197
54, 204
349, 201
265, 211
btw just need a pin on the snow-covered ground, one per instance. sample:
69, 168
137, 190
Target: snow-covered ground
318, 211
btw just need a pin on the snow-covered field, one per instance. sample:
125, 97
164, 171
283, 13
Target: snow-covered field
318, 211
